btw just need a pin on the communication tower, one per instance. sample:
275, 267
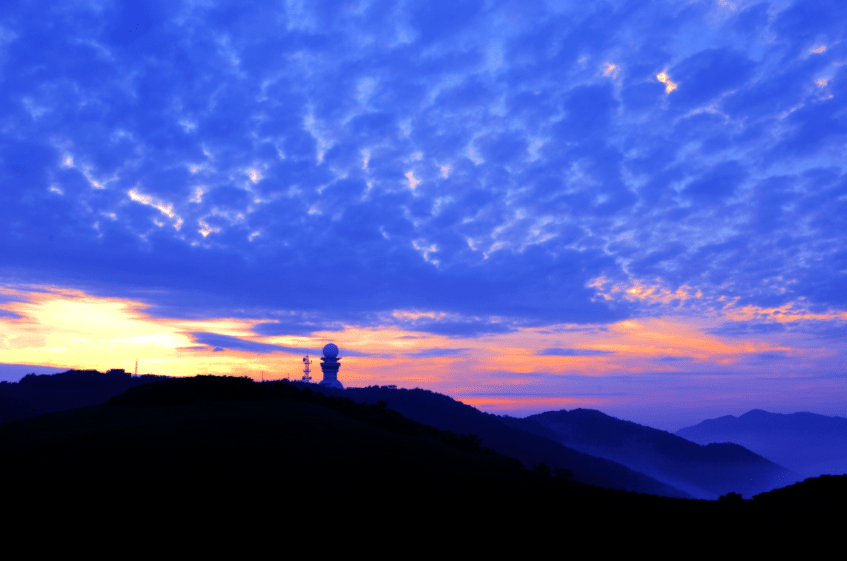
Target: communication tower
306, 370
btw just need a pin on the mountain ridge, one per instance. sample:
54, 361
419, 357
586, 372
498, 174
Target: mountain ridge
446, 413
705, 471
808, 443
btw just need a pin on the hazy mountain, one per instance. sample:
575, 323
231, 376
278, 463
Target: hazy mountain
807, 443
445, 413
705, 472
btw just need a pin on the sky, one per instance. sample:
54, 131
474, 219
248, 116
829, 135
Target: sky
632, 206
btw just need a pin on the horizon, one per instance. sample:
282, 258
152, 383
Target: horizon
6, 369
636, 207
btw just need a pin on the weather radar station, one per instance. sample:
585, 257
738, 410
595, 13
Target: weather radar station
330, 365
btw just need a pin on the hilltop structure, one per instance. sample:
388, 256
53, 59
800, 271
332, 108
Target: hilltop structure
307, 371
330, 366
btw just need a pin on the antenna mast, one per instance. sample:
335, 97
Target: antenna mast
136, 368
306, 370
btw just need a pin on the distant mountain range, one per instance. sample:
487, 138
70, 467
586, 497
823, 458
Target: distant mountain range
705, 472
230, 449
445, 413
226, 450
598, 449
807, 443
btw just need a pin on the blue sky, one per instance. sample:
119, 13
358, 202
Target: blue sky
455, 173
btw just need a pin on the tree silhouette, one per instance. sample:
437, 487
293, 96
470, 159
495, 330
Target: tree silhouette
541, 469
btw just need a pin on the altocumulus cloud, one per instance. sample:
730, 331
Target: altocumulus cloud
480, 159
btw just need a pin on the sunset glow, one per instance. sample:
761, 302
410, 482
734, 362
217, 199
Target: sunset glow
517, 371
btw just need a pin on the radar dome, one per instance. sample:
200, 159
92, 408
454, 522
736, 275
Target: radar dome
330, 351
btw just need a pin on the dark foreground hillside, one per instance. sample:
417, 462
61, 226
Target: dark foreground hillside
826, 489
495, 432
230, 448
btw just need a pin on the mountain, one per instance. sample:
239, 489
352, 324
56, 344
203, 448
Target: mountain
807, 443
824, 489
13, 409
530, 448
197, 457
47, 393
705, 472
273, 453
34, 395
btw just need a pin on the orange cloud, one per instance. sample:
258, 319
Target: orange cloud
635, 290
669, 85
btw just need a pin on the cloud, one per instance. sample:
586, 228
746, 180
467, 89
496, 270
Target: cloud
770, 356
717, 183
673, 359
448, 328
533, 173
745, 329
709, 73
574, 352
224, 342
431, 353
292, 328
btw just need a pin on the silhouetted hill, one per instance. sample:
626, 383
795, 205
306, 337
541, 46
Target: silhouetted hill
48, 393
706, 472
13, 409
228, 441
824, 489
211, 427
807, 443
445, 413
205, 453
